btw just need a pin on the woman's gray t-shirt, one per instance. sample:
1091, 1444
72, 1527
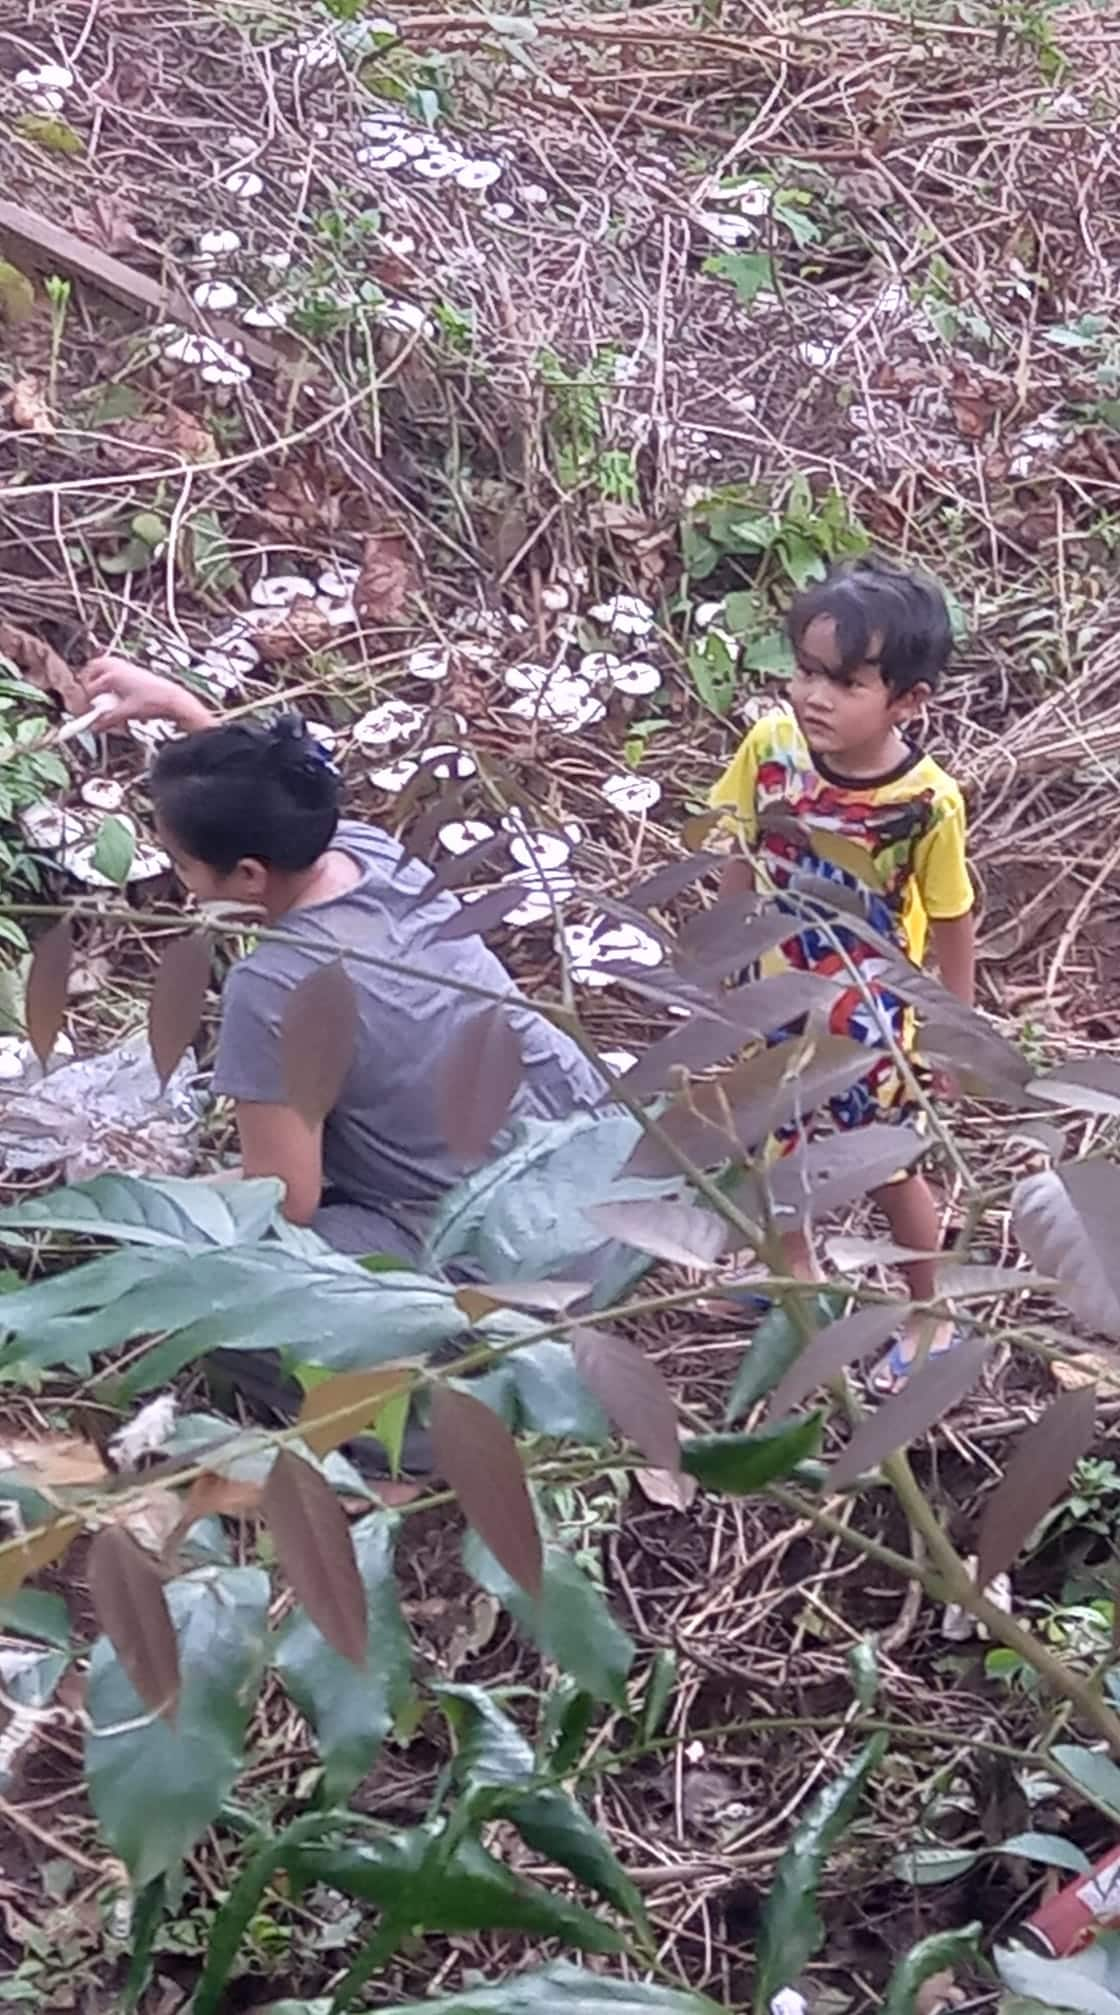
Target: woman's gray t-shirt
384, 1144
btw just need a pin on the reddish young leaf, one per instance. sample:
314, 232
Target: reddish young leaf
1066, 1219
752, 1098
833, 1348
479, 1073
1034, 1480
659, 888
47, 981
127, 1592
674, 1231
733, 1020
338, 1408
456, 868
477, 1454
478, 917
178, 1000
316, 1552
940, 1385
632, 1393
317, 1038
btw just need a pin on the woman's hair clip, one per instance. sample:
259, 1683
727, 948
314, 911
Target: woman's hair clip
319, 756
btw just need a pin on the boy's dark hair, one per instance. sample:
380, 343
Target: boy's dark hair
250, 791
871, 599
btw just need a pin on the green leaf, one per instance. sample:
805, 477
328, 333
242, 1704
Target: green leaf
803, 561
748, 272
1097, 1776
210, 553
490, 1748
166, 1210
772, 654
114, 850
468, 1890
33, 1613
1047, 1848
243, 1901
863, 1670
154, 1786
925, 1866
660, 1687
791, 1930
553, 1824
741, 1463
569, 1623
114, 402
559, 1989
549, 1395
937, 1954
150, 527
131, 558
352, 1709
1058, 1983
775, 1345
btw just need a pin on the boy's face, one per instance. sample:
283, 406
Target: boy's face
846, 714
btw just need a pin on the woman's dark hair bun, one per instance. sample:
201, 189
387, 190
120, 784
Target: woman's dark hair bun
249, 790
300, 760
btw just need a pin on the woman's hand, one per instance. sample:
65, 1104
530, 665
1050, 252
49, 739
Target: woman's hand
140, 695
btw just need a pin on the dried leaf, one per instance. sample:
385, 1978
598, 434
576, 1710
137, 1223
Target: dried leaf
675, 1490
127, 1592
42, 667
175, 432
316, 1552
632, 1393
54, 1460
386, 581
940, 1385
299, 633
28, 407
480, 1073
338, 1408
483, 1298
478, 1456
317, 1040
107, 221
178, 1000
47, 983
478, 917
21, 1557
1034, 1479
1066, 1219
832, 1349
674, 1231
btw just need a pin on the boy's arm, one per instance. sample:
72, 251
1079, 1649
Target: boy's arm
954, 944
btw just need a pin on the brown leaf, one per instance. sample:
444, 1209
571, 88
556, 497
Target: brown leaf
940, 1385
477, 917
317, 1041
298, 633
1034, 1480
831, 1172
1066, 1219
175, 432
718, 1120
338, 1408
480, 1072
28, 407
676, 1490
47, 981
659, 888
21, 1557
42, 667
833, 1348
678, 1232
56, 1460
631, 1391
477, 1454
316, 1552
386, 581
107, 222
131, 1607
736, 1018
486, 1296
178, 1000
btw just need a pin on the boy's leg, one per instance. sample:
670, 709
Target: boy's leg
911, 1211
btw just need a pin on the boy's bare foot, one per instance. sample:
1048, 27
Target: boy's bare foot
893, 1370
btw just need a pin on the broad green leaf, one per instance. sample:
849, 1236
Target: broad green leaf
568, 1714
34, 1613
155, 1787
163, 1211
559, 1989
555, 1825
660, 1687
114, 850
863, 1671
740, 1463
259, 1866
749, 272
1097, 1776
549, 1395
1048, 1848
774, 1347
352, 1709
1059, 1983
468, 1891
791, 1929
571, 1623
924, 1866
937, 1954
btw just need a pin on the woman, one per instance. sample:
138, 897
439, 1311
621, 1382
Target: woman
249, 814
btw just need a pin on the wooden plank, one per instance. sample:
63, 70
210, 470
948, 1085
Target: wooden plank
28, 239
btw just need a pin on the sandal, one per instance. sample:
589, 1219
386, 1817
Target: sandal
892, 1372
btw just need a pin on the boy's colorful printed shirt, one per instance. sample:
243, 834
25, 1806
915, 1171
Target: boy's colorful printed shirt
898, 842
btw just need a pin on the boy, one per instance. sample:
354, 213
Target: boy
871, 643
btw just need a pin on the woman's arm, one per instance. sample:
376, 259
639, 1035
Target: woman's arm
139, 695
954, 944
276, 1141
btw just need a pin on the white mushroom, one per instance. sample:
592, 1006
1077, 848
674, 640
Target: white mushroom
626, 615
378, 156
440, 164
396, 775
533, 192
219, 244
244, 182
445, 760
501, 212
599, 665
637, 677
541, 851
339, 581
428, 661
478, 175
631, 794
279, 591
277, 262
266, 315
593, 949
820, 356
405, 315
463, 834
215, 295
103, 793
400, 243
555, 598
391, 721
